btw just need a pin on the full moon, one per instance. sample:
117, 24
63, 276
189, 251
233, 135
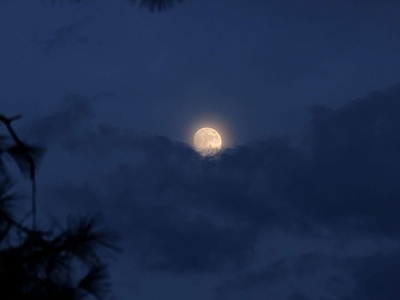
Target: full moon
207, 141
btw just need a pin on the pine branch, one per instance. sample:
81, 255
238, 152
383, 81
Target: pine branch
25, 157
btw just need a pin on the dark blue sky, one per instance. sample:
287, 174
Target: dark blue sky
302, 204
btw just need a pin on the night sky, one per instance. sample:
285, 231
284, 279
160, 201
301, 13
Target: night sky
303, 203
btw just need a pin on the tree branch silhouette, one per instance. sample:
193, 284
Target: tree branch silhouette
25, 157
159, 5
62, 263
152, 5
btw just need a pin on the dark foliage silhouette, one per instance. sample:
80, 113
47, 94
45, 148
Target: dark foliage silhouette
58, 263
26, 157
152, 5
156, 4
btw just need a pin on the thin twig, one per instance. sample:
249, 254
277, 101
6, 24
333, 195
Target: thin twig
15, 223
34, 204
7, 122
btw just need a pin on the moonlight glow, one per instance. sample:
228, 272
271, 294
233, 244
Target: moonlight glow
207, 141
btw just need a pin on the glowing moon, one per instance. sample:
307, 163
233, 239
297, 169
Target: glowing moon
207, 141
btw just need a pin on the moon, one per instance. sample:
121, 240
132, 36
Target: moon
207, 141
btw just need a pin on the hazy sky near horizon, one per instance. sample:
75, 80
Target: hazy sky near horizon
303, 202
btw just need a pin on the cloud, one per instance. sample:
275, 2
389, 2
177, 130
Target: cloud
156, 214
294, 271
376, 276
64, 122
269, 275
71, 119
297, 296
355, 164
69, 35
180, 213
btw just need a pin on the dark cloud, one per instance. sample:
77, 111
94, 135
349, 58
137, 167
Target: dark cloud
64, 122
270, 275
69, 35
355, 164
297, 296
181, 213
309, 264
376, 276
161, 239
68, 122
300, 267
157, 214
220, 184
339, 285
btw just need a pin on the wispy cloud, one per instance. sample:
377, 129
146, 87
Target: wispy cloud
70, 35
